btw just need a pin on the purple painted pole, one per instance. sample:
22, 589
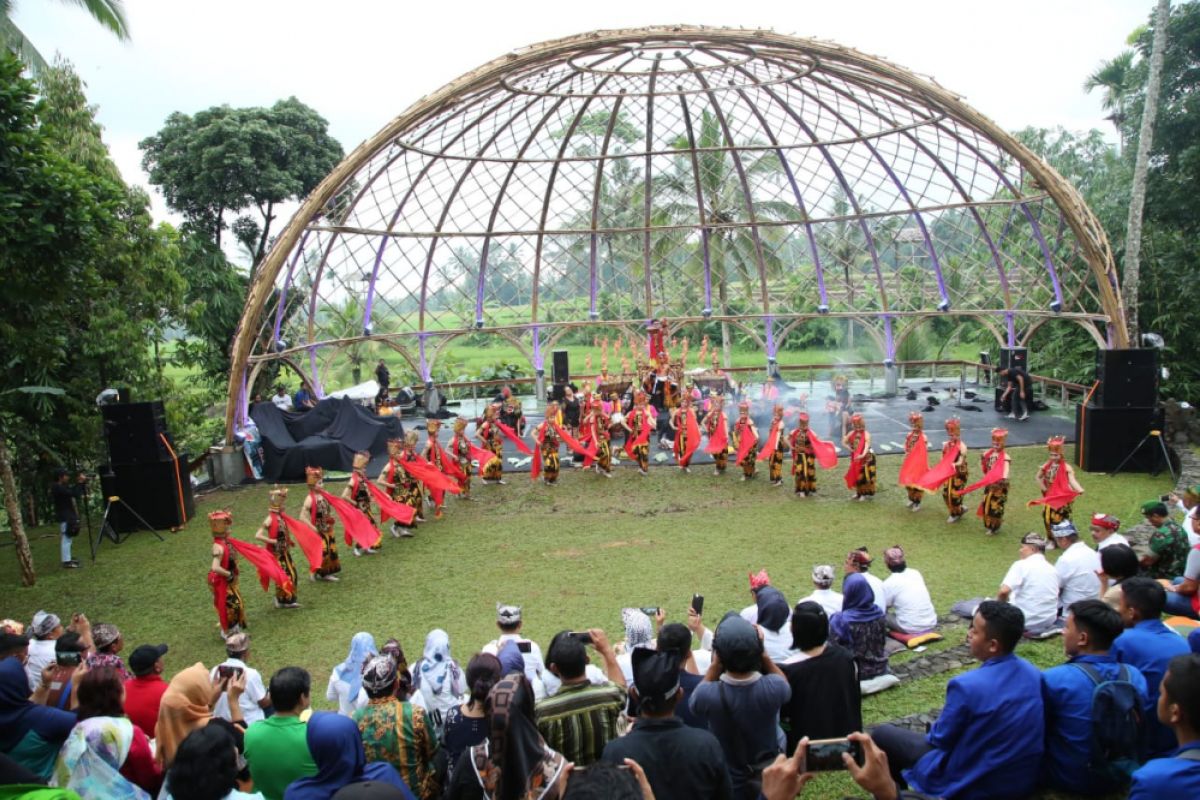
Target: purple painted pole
538, 361
243, 404
286, 285
889, 341
769, 324
313, 374
1011, 324
425, 374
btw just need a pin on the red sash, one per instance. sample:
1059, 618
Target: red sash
942, 472
746, 440
824, 452
389, 508
993, 475
772, 442
916, 464
511, 435
856, 460
434, 479
718, 440
356, 524
539, 436
306, 538
643, 432
1060, 492
691, 430
264, 562
574, 444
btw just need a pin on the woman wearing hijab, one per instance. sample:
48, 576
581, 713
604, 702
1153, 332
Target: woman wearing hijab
638, 633
30, 734
860, 627
439, 679
345, 684
336, 747
187, 705
773, 617
106, 756
514, 762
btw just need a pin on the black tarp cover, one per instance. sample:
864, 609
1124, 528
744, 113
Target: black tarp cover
325, 436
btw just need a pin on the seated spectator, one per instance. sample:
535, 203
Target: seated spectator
187, 705
1031, 584
679, 761
675, 637
14, 645
582, 717
858, 561
404, 688
106, 638
30, 733
303, 399
1104, 531
1067, 692
1177, 774
1168, 546
740, 697
830, 600
639, 632
1183, 599
439, 679
466, 725
515, 760
1149, 645
750, 612
254, 699
906, 596
773, 615
58, 681
45, 629
1076, 566
206, 768
826, 702
280, 399
244, 782
394, 731
345, 683
860, 628
144, 691
1194, 640
988, 741
604, 781
509, 621
1118, 564
337, 749
277, 747
106, 755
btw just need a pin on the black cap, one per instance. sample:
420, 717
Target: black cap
141, 660
655, 673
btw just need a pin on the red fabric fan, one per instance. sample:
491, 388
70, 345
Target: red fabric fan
941, 473
824, 452
916, 464
1059, 494
306, 538
356, 524
264, 562
772, 442
511, 435
389, 508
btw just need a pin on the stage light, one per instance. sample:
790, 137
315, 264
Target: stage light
1153, 340
888, 363
108, 397
706, 313
1056, 306
593, 315
822, 309
944, 306
366, 330
478, 324
280, 345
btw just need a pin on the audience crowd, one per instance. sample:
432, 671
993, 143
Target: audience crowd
749, 708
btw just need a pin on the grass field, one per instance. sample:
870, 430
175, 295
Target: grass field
572, 555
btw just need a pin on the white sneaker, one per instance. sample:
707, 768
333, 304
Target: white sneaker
1011, 416
952, 519
916, 507
1023, 417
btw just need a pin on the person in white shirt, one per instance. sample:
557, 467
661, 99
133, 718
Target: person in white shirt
859, 560
1104, 531
823, 595
905, 593
508, 620
45, 630
254, 699
1189, 504
281, 399
1077, 566
1031, 584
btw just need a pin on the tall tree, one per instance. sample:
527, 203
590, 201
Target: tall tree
1119, 81
109, 13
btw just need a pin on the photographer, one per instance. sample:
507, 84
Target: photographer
67, 512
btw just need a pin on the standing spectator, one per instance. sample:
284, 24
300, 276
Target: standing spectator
30, 733
466, 725
1168, 544
46, 628
1117, 564
741, 696
1031, 584
439, 679
1183, 597
1067, 692
66, 511
581, 718
106, 638
1104, 531
1076, 566
858, 561
988, 741
830, 600
509, 621
277, 747
280, 399
1178, 773
860, 627
384, 379
1149, 645
144, 691
254, 699
679, 761
826, 702
395, 731
1018, 387
337, 750
905, 593
1189, 504
345, 683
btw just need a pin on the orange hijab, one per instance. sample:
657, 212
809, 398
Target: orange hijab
184, 708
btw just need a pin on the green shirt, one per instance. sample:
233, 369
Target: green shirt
396, 732
277, 754
581, 719
1170, 544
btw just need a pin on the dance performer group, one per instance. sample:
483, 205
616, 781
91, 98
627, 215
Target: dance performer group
411, 481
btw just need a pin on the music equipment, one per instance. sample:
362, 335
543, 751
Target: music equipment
1105, 436
561, 372
152, 490
133, 430
1128, 378
1014, 357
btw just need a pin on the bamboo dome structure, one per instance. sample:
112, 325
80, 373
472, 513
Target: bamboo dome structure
676, 172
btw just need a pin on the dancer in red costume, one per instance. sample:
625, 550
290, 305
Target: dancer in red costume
460, 450
995, 463
804, 462
319, 513
273, 533
745, 441
861, 476
1059, 487
356, 491
716, 426
546, 459
492, 439
687, 431
952, 489
435, 455
223, 574
916, 460
775, 445
597, 432
639, 424
399, 485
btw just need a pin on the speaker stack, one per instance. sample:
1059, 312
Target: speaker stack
1121, 411
560, 375
144, 469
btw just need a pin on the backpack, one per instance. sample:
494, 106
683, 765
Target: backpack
1118, 727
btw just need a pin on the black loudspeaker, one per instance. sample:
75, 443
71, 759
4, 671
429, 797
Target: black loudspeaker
561, 372
1128, 378
1014, 357
153, 490
133, 432
1105, 436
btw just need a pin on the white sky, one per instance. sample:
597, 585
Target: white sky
361, 62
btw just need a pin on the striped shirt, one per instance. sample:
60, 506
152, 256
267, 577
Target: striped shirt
581, 719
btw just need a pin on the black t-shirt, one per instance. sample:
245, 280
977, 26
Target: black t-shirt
826, 702
382, 376
571, 412
1014, 373
64, 495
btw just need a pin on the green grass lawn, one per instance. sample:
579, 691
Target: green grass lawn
572, 555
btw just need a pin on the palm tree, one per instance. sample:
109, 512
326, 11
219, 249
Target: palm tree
109, 13
1118, 80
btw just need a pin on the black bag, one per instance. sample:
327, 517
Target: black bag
73, 527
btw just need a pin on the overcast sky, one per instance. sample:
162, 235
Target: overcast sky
361, 62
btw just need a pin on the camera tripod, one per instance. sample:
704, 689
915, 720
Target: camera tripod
107, 531
1155, 435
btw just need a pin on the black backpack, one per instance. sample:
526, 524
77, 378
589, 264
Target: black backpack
1118, 727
